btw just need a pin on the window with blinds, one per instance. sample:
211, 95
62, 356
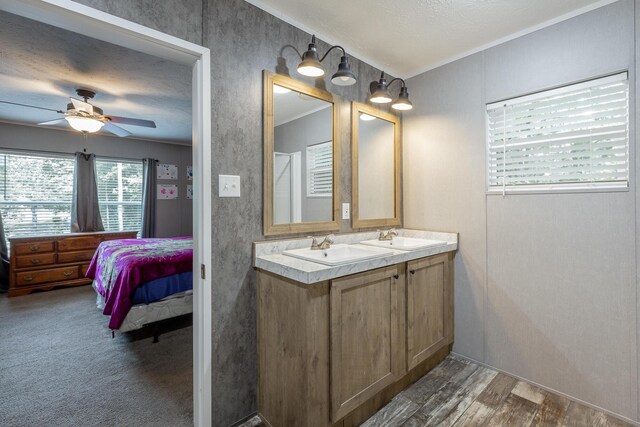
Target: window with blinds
571, 138
120, 194
35, 193
320, 170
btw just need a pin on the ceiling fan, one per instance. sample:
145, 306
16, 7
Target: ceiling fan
87, 118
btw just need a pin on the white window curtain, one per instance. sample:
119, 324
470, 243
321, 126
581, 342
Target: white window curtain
571, 138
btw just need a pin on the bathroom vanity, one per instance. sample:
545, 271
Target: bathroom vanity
337, 342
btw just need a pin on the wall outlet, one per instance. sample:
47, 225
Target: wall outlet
346, 211
228, 185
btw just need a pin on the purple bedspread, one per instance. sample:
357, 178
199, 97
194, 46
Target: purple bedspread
120, 266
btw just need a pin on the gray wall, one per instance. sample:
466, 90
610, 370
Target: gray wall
173, 217
546, 285
296, 135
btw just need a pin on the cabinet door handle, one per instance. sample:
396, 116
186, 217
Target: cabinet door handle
36, 261
28, 278
396, 276
67, 273
34, 248
412, 271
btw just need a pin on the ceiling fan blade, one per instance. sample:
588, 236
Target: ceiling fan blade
116, 130
82, 106
132, 122
52, 122
31, 106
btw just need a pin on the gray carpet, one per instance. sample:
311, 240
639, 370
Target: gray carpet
60, 367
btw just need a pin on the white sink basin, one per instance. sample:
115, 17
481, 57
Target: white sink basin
337, 254
404, 243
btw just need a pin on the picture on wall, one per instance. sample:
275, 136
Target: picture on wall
190, 173
166, 171
189, 192
167, 191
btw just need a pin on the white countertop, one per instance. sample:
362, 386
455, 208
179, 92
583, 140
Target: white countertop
267, 255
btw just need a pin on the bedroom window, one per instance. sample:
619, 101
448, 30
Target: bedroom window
120, 194
573, 138
320, 170
35, 193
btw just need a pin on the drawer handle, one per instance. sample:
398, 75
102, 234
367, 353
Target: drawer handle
68, 273
36, 261
396, 276
28, 278
412, 271
34, 248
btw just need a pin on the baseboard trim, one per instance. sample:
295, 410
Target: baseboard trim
575, 399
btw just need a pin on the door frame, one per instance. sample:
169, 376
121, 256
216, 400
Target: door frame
93, 23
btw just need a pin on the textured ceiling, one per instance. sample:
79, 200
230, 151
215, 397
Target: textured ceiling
408, 37
43, 65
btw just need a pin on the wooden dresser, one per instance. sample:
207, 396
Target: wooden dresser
44, 262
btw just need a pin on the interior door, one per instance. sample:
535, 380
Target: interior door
365, 337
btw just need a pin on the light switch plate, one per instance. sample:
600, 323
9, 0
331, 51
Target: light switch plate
228, 185
346, 211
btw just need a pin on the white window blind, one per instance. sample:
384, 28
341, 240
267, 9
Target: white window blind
35, 193
571, 138
120, 194
320, 170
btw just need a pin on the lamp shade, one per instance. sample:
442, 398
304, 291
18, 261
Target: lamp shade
344, 76
379, 92
310, 65
402, 103
84, 124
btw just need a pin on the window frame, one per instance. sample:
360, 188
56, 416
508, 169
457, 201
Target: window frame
309, 170
561, 188
46, 155
115, 203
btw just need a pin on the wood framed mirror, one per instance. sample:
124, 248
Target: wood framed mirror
376, 151
301, 157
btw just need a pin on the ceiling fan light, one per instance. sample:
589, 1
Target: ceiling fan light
84, 124
344, 76
402, 103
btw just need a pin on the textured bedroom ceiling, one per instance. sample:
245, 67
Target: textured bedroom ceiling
408, 37
43, 65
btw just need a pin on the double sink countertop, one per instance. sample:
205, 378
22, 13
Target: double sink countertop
268, 255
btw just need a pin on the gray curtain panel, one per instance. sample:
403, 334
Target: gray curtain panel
4, 260
85, 210
149, 198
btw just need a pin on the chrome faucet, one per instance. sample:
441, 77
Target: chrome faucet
388, 235
325, 244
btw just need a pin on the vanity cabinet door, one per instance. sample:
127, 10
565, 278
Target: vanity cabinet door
366, 347
429, 307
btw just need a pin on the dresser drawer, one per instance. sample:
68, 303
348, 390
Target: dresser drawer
43, 276
77, 256
35, 260
83, 270
32, 247
78, 243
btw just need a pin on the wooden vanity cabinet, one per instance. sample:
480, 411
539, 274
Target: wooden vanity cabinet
333, 353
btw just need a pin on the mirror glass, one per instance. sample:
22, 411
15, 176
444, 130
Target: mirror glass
376, 168
302, 157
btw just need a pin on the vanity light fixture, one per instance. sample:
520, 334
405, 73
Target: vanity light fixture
380, 94
280, 89
366, 117
311, 65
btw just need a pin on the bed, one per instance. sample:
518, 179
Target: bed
142, 281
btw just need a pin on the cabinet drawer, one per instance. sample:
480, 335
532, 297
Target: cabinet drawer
64, 257
83, 270
33, 247
43, 276
35, 260
78, 243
